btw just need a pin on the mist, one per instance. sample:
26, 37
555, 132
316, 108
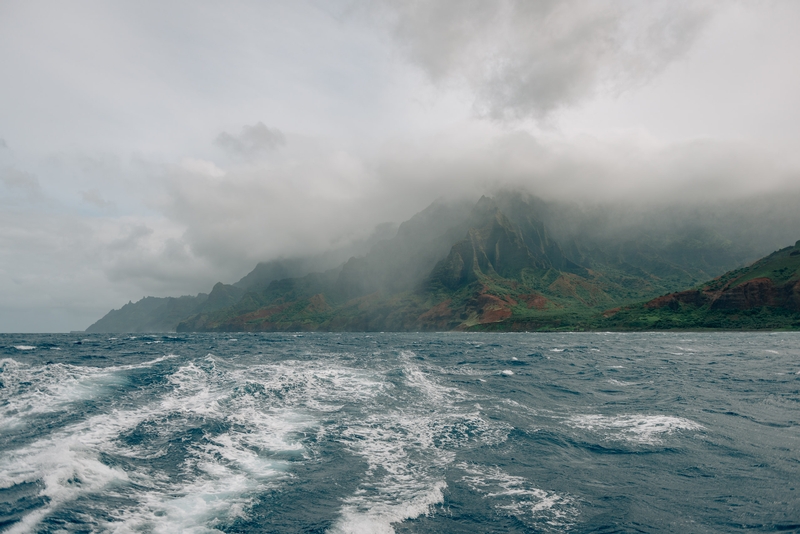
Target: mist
158, 149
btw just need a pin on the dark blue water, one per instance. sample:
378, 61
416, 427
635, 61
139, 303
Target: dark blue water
400, 433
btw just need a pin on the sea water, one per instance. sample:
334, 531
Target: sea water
381, 433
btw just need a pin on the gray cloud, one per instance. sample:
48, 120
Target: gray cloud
317, 196
116, 187
93, 197
22, 181
526, 59
252, 141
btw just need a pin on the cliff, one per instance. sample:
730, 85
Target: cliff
765, 294
495, 264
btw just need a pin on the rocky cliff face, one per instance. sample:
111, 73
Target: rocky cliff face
757, 293
497, 247
772, 282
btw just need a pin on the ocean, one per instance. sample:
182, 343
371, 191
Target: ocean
406, 433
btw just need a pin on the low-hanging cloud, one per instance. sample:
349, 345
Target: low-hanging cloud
120, 184
527, 59
316, 196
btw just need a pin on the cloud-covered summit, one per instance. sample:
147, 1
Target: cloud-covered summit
136, 161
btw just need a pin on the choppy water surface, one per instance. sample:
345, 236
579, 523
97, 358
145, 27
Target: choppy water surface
400, 433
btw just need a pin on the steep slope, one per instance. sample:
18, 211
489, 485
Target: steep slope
150, 314
162, 314
393, 266
496, 247
494, 265
765, 294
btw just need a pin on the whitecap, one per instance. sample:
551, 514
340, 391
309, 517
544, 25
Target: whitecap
50, 388
378, 519
223, 471
636, 428
24, 347
518, 497
407, 450
507, 372
619, 382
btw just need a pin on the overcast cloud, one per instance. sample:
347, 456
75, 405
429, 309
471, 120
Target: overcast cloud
156, 148
525, 59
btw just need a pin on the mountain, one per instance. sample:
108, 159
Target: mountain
491, 265
155, 314
162, 314
511, 262
764, 295
150, 314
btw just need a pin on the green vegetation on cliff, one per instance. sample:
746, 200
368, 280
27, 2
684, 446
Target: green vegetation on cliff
764, 295
496, 265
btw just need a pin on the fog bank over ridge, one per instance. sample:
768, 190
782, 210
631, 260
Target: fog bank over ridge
158, 149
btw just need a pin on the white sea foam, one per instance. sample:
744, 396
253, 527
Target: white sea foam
45, 389
49, 388
260, 412
636, 428
378, 518
507, 372
24, 347
516, 496
219, 474
620, 382
67, 469
142, 365
463, 370
407, 448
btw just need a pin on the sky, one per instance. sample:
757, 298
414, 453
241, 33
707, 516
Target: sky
155, 148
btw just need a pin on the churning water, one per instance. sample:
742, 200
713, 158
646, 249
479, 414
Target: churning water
380, 433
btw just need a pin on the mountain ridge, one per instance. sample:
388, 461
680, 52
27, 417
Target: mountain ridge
493, 264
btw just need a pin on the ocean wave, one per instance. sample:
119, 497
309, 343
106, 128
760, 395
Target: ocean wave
637, 428
514, 495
